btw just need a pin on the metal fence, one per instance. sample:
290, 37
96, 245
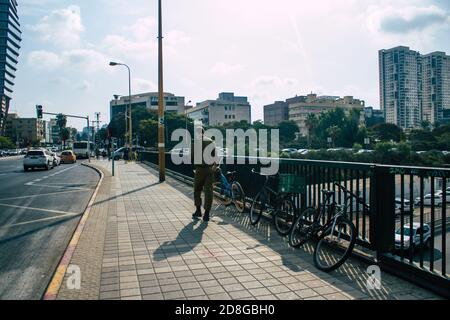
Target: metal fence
398, 197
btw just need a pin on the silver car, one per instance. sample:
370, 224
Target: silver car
416, 232
38, 158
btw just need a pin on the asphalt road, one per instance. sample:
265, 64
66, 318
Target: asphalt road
39, 212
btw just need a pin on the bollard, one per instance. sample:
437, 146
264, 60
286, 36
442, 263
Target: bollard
113, 166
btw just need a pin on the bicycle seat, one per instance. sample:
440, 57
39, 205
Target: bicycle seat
230, 174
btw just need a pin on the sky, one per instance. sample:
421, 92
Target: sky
267, 50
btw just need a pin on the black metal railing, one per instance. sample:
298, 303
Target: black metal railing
397, 198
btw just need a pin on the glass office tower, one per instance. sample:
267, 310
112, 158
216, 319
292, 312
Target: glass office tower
10, 38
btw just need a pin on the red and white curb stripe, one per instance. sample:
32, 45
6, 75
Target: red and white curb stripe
58, 277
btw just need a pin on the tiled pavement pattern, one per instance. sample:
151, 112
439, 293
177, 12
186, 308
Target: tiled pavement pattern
153, 250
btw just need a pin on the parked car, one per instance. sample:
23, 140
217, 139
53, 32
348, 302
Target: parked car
56, 159
38, 158
427, 199
406, 206
441, 194
119, 153
68, 157
365, 151
289, 151
414, 232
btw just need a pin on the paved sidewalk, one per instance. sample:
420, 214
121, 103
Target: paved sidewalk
141, 243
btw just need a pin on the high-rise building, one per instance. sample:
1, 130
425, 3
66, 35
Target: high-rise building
227, 108
436, 87
414, 87
401, 86
10, 38
275, 113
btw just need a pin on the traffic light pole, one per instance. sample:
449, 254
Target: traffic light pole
41, 113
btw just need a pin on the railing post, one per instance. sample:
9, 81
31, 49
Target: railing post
382, 231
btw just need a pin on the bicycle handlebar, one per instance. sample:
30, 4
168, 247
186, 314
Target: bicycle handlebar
359, 199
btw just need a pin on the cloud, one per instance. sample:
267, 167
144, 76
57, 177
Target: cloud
142, 85
143, 28
84, 60
44, 60
225, 69
274, 81
63, 27
84, 86
139, 40
87, 60
408, 19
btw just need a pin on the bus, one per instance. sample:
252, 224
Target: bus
83, 149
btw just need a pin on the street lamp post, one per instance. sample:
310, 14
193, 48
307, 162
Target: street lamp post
130, 125
161, 144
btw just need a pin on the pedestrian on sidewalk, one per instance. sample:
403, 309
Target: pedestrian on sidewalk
126, 154
204, 173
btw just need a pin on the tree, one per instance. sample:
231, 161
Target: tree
73, 133
149, 132
422, 140
65, 135
6, 143
61, 122
386, 132
333, 132
288, 131
311, 124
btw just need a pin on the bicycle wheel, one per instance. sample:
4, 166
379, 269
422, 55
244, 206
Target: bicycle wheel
284, 217
225, 198
334, 246
299, 233
238, 196
259, 205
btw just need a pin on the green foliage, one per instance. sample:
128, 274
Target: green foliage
288, 130
426, 140
149, 132
386, 132
6, 143
357, 147
65, 135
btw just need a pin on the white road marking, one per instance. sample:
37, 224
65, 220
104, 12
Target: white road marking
32, 183
40, 220
35, 209
41, 194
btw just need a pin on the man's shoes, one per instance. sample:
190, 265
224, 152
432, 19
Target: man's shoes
197, 214
206, 217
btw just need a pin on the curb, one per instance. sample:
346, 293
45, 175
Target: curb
57, 279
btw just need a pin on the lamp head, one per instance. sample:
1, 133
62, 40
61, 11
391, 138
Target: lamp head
113, 64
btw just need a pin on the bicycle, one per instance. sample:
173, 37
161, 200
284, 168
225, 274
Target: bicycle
336, 238
284, 210
231, 191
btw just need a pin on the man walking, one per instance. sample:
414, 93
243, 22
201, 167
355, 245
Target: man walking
204, 165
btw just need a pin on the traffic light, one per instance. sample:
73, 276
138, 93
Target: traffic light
39, 112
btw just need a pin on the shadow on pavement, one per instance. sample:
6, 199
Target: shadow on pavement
351, 277
190, 232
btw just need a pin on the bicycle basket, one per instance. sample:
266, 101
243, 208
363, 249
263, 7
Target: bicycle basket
291, 183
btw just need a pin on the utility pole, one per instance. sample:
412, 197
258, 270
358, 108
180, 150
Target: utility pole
161, 139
